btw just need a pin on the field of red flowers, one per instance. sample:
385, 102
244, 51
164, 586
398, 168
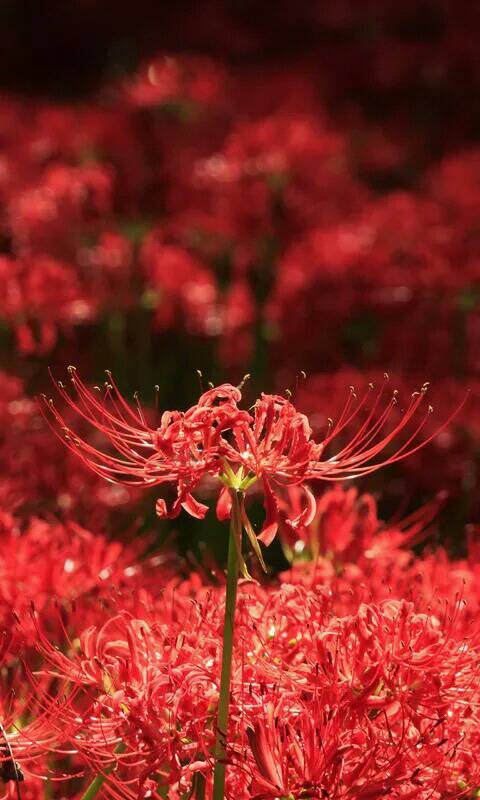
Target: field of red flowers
239, 401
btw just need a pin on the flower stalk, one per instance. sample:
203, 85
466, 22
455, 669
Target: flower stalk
234, 555
94, 787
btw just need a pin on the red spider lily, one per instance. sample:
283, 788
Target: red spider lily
376, 699
29, 729
278, 447
181, 451
383, 699
74, 569
216, 438
315, 758
346, 528
348, 552
144, 685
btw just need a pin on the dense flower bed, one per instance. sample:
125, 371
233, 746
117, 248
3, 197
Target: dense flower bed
355, 674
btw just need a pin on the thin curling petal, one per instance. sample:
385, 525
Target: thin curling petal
193, 507
307, 514
265, 758
224, 504
161, 508
270, 525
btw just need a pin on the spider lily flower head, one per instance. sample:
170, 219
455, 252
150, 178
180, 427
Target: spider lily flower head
390, 685
317, 759
182, 450
150, 685
216, 438
346, 528
277, 446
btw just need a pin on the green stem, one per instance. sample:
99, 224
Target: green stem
199, 786
234, 545
94, 787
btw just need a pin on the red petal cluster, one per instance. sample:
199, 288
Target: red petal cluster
381, 700
355, 673
215, 438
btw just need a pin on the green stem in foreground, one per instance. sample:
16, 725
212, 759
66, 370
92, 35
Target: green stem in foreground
94, 787
234, 551
92, 790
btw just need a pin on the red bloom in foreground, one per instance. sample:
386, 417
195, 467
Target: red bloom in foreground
218, 439
381, 702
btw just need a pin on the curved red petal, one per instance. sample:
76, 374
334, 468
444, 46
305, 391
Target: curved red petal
194, 507
224, 504
270, 526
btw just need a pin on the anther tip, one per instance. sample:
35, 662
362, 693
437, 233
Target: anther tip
244, 380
